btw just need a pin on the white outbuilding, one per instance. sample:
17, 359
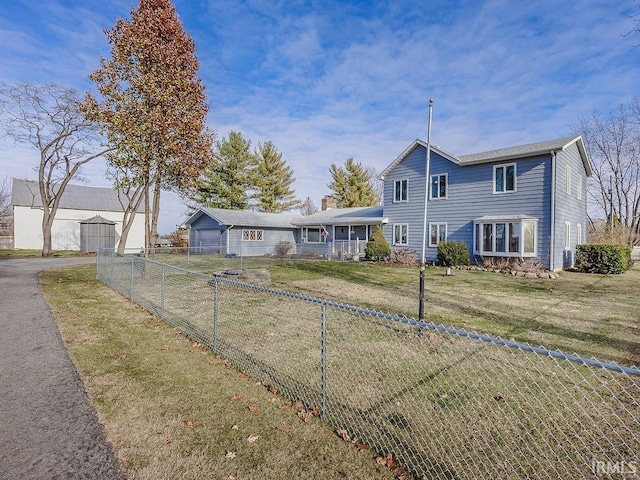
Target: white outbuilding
77, 204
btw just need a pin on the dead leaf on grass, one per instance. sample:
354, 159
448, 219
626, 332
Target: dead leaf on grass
230, 455
235, 398
252, 438
284, 406
235, 427
343, 435
254, 409
362, 446
190, 424
282, 429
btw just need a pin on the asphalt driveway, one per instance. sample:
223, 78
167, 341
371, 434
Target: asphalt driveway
48, 430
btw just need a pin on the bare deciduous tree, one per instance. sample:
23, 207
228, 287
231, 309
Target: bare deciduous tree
6, 209
613, 145
48, 117
308, 207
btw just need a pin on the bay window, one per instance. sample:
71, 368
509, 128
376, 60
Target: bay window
505, 237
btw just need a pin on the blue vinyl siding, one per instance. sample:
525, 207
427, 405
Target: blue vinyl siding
469, 196
271, 237
568, 208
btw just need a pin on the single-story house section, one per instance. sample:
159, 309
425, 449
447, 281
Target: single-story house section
239, 232
79, 205
245, 232
339, 230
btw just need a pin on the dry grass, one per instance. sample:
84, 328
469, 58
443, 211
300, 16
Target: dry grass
173, 410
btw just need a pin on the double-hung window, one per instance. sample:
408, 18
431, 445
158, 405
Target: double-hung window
567, 235
578, 234
437, 233
250, 235
567, 180
439, 186
504, 178
401, 191
505, 237
401, 234
579, 189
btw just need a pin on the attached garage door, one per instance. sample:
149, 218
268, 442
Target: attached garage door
208, 238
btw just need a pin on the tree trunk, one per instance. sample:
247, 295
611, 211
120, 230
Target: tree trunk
155, 210
47, 221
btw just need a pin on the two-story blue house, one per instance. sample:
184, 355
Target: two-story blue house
527, 201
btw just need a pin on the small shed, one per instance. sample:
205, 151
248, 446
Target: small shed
97, 232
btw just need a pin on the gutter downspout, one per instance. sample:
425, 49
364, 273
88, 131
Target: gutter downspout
228, 228
552, 248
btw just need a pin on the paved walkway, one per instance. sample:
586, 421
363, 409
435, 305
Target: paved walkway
48, 430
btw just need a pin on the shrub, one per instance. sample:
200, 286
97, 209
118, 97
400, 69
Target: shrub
453, 253
404, 256
377, 246
603, 258
283, 248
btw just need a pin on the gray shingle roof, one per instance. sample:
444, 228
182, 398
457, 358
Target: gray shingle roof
519, 151
250, 218
25, 193
363, 215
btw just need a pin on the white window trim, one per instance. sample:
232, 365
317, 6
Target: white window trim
393, 234
439, 225
579, 189
446, 186
567, 180
578, 233
507, 254
515, 178
567, 235
394, 191
246, 232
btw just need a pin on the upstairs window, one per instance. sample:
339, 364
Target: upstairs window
567, 180
579, 189
439, 186
401, 191
504, 178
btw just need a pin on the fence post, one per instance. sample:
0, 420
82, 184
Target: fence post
162, 289
323, 412
131, 286
215, 315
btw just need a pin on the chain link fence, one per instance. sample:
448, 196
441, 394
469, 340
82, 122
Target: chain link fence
445, 403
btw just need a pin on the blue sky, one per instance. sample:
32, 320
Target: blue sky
329, 80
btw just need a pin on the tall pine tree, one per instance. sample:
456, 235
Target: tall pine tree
272, 181
226, 182
352, 185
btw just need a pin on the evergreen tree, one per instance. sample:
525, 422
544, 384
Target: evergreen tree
272, 181
377, 246
352, 185
225, 183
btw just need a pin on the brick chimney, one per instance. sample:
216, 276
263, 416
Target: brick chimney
329, 202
